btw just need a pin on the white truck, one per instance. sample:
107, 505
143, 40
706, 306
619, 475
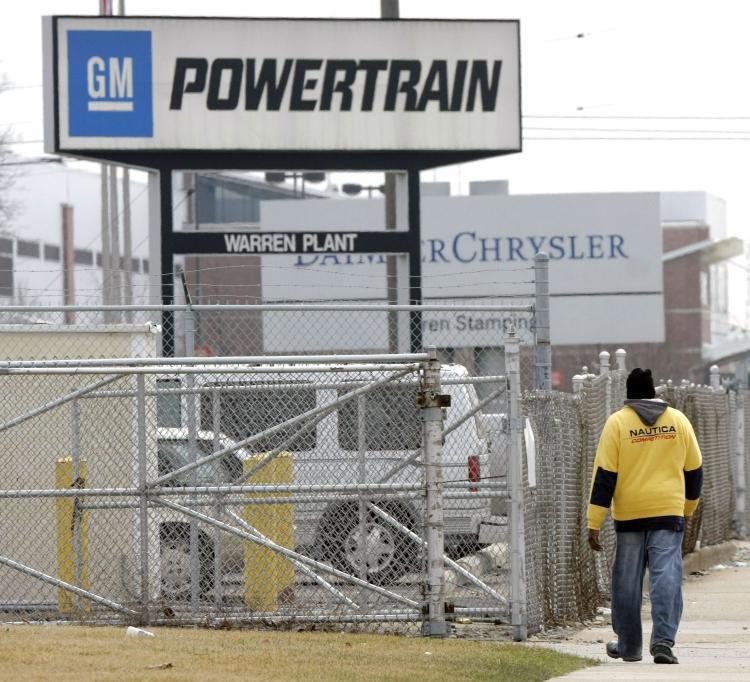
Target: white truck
362, 440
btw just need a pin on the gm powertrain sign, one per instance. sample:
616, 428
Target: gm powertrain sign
170, 84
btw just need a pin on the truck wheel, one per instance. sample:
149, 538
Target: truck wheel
389, 553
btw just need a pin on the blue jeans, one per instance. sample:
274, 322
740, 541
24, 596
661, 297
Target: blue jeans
661, 551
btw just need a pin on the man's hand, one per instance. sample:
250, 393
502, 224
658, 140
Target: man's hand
594, 540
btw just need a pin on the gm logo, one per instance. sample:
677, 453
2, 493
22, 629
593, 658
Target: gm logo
109, 84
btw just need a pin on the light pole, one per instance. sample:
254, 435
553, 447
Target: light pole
353, 189
277, 177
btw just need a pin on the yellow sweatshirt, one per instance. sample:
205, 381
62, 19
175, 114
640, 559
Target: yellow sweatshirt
648, 467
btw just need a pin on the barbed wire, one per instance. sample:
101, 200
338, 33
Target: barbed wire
251, 266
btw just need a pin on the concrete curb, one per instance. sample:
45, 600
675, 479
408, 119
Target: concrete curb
708, 556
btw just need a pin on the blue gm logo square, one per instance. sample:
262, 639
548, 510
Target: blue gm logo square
110, 84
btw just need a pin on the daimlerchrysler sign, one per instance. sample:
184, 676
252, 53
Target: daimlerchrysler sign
155, 84
605, 267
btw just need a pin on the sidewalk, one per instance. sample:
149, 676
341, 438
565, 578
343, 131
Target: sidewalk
713, 642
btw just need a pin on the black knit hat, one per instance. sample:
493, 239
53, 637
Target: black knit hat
640, 384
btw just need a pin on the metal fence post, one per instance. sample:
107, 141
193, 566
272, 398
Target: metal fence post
604, 362
78, 481
362, 478
604, 371
542, 346
620, 358
740, 490
192, 428
515, 471
432, 440
577, 383
219, 508
715, 377
140, 409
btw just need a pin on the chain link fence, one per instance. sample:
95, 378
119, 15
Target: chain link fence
223, 488
743, 460
567, 581
710, 411
362, 490
469, 335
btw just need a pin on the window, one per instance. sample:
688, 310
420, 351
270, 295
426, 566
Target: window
246, 412
391, 420
83, 257
52, 252
135, 265
6, 245
145, 266
27, 249
175, 453
168, 405
704, 288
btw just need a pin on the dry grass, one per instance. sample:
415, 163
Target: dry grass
80, 654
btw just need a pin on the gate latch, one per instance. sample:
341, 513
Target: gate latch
432, 399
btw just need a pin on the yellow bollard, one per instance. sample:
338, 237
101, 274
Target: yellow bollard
72, 538
268, 573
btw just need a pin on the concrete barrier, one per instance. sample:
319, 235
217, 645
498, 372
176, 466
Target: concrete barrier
705, 557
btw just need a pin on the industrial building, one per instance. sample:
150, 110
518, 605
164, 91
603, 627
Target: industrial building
679, 245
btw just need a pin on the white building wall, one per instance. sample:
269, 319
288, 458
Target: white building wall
39, 193
697, 208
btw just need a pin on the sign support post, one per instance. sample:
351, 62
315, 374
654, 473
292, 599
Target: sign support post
166, 271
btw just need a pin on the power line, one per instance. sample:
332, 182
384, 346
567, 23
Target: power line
5, 88
307, 268
640, 130
650, 138
634, 117
739, 265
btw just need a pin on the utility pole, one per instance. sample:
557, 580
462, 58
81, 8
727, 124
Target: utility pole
104, 193
127, 246
114, 226
127, 236
105, 9
68, 262
389, 9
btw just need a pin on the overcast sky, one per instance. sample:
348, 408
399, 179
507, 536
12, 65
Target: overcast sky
654, 92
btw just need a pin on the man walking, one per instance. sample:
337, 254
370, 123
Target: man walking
648, 468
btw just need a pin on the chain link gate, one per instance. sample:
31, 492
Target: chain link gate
290, 491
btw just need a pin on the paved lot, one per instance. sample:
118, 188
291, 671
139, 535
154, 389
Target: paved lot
713, 642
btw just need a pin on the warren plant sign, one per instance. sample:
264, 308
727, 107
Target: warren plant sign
290, 242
